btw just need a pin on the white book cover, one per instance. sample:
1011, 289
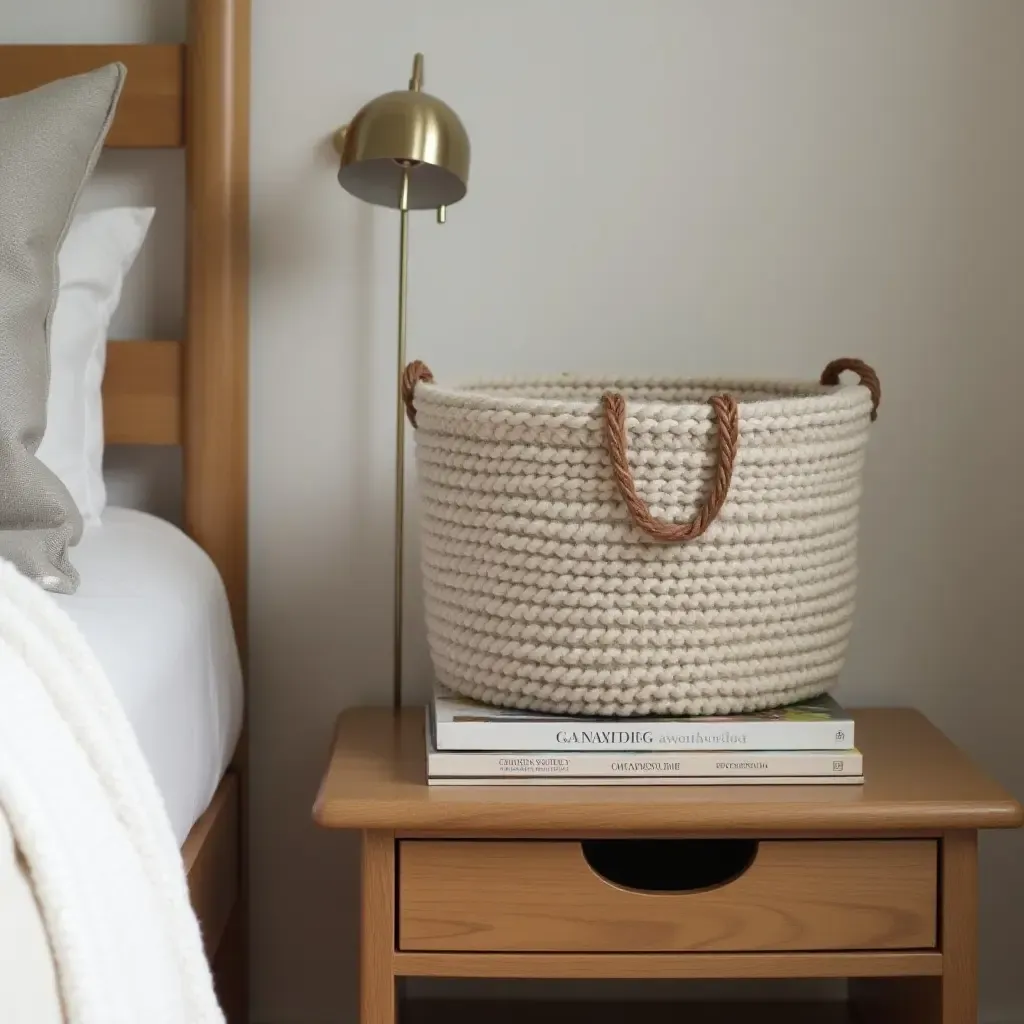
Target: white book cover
630, 764
459, 724
778, 780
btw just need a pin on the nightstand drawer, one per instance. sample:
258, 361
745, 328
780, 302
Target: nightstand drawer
631, 895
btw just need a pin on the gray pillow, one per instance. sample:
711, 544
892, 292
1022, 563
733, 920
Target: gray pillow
50, 139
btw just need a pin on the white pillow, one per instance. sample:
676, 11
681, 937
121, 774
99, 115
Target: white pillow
97, 253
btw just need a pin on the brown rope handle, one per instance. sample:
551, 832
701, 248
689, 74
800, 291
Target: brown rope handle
416, 371
868, 377
727, 415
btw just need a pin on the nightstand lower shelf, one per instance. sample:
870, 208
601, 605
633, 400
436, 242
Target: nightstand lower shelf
681, 966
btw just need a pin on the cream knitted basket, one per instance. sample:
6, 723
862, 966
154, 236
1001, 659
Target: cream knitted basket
640, 547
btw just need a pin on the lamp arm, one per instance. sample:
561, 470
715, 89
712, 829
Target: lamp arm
403, 288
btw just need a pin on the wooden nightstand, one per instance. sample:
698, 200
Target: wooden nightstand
875, 883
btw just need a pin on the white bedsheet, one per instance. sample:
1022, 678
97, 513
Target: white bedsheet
153, 608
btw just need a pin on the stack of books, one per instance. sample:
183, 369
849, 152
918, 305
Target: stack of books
471, 744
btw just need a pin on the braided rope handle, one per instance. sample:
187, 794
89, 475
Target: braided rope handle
727, 415
868, 377
416, 371
617, 445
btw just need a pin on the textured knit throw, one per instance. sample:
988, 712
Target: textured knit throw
636, 547
90, 825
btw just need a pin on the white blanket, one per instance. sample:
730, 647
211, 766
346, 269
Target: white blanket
90, 824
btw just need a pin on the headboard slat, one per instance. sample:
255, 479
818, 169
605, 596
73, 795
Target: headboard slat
142, 393
151, 112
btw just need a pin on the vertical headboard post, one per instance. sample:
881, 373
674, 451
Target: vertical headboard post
217, 323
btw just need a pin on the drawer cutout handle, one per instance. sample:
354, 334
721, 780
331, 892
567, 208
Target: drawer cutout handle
669, 865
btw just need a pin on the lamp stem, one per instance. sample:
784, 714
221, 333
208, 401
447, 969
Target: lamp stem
403, 279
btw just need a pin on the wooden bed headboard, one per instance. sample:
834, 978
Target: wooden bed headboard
191, 392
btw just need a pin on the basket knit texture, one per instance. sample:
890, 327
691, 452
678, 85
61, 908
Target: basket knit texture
543, 592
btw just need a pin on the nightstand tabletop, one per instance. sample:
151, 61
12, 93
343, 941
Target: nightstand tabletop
916, 779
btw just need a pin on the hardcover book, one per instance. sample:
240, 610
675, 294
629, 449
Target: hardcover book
761, 780
459, 724
709, 765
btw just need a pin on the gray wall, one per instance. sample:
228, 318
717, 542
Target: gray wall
674, 187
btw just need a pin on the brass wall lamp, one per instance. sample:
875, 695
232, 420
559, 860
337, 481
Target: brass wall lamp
406, 150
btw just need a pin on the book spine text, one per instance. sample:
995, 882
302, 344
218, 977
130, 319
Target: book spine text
660, 738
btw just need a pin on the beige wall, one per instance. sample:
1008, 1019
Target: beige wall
674, 187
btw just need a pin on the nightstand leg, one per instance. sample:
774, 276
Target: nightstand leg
953, 997
960, 928
377, 930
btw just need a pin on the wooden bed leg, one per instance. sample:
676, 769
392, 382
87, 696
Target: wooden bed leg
377, 1000
230, 966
